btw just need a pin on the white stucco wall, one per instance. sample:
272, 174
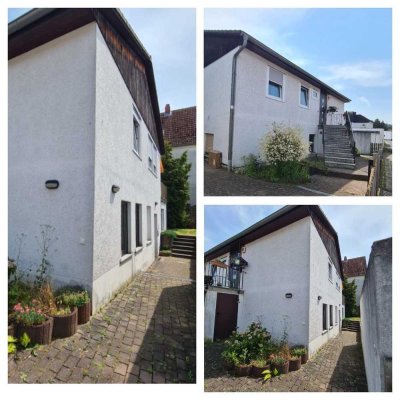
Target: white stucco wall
273, 271
364, 137
362, 125
117, 164
320, 285
255, 112
191, 155
51, 136
217, 97
333, 101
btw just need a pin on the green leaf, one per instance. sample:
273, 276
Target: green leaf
12, 348
24, 340
267, 377
275, 372
267, 371
12, 339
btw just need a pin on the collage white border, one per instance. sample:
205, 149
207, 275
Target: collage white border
185, 391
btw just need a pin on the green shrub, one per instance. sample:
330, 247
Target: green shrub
298, 351
283, 144
169, 233
72, 297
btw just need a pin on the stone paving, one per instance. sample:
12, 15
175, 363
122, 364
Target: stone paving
337, 367
146, 334
219, 182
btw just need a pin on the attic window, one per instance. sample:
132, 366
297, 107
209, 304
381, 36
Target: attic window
275, 83
136, 136
330, 271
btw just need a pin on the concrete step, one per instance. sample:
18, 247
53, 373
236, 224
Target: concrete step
183, 255
344, 154
183, 247
332, 164
348, 160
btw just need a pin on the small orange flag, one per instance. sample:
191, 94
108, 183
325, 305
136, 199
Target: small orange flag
161, 167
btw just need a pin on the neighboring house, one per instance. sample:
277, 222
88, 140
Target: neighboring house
284, 271
84, 150
354, 269
248, 87
179, 128
376, 317
364, 133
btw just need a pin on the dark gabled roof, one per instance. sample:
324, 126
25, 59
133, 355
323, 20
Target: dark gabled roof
278, 220
354, 267
357, 118
217, 43
41, 25
179, 126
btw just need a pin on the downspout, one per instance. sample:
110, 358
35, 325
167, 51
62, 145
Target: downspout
232, 104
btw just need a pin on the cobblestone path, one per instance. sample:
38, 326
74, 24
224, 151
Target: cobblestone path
337, 367
219, 182
146, 334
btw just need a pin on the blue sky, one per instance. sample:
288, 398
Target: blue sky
357, 226
169, 36
349, 49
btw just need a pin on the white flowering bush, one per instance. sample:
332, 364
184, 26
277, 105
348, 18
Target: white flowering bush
283, 144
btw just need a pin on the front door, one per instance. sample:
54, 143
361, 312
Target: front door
322, 108
155, 236
226, 312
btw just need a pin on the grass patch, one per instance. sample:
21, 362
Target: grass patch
184, 231
282, 172
315, 162
352, 319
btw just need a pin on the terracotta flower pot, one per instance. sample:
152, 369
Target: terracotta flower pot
65, 325
304, 358
84, 313
256, 372
295, 364
242, 370
38, 334
282, 368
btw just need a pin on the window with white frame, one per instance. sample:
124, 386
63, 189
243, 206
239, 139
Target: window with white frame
148, 224
136, 136
314, 94
330, 271
138, 220
275, 83
304, 96
153, 156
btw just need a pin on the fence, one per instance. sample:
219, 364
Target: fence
374, 172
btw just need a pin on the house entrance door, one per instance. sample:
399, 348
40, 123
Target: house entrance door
226, 312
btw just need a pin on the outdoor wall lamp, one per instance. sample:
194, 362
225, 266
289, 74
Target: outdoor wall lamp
319, 298
52, 184
288, 295
115, 188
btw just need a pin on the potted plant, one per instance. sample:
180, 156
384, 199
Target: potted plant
258, 367
65, 322
281, 364
76, 298
167, 238
242, 365
229, 359
294, 363
34, 323
301, 352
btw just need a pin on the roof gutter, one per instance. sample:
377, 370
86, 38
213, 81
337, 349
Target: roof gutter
28, 18
232, 104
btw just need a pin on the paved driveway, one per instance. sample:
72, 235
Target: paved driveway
146, 334
219, 182
337, 367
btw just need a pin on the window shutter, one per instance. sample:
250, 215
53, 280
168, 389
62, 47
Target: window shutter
275, 76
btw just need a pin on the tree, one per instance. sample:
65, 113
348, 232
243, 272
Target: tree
349, 292
175, 177
382, 124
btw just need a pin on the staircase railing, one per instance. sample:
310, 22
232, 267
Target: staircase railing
351, 136
334, 118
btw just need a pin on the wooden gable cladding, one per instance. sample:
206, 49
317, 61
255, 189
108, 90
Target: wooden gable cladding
329, 242
133, 70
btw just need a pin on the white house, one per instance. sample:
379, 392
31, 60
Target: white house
354, 269
248, 87
285, 271
179, 128
364, 133
85, 140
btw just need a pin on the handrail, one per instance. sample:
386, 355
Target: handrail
228, 278
351, 136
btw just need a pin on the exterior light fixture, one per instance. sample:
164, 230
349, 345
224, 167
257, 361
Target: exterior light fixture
52, 184
115, 188
238, 261
319, 298
288, 295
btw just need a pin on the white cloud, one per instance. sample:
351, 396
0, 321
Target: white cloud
365, 101
374, 73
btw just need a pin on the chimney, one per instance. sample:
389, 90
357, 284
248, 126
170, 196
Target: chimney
345, 258
167, 109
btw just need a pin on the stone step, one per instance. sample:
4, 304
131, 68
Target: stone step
348, 160
332, 164
184, 246
183, 255
337, 153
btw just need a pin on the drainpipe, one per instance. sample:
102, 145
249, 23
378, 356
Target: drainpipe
232, 105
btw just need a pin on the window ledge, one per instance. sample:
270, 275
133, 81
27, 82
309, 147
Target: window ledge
124, 258
148, 243
325, 331
331, 327
152, 172
138, 249
305, 107
268, 96
136, 154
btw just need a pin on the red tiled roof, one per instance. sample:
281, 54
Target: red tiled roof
354, 267
179, 127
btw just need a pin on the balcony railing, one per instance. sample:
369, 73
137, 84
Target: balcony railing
227, 278
334, 118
